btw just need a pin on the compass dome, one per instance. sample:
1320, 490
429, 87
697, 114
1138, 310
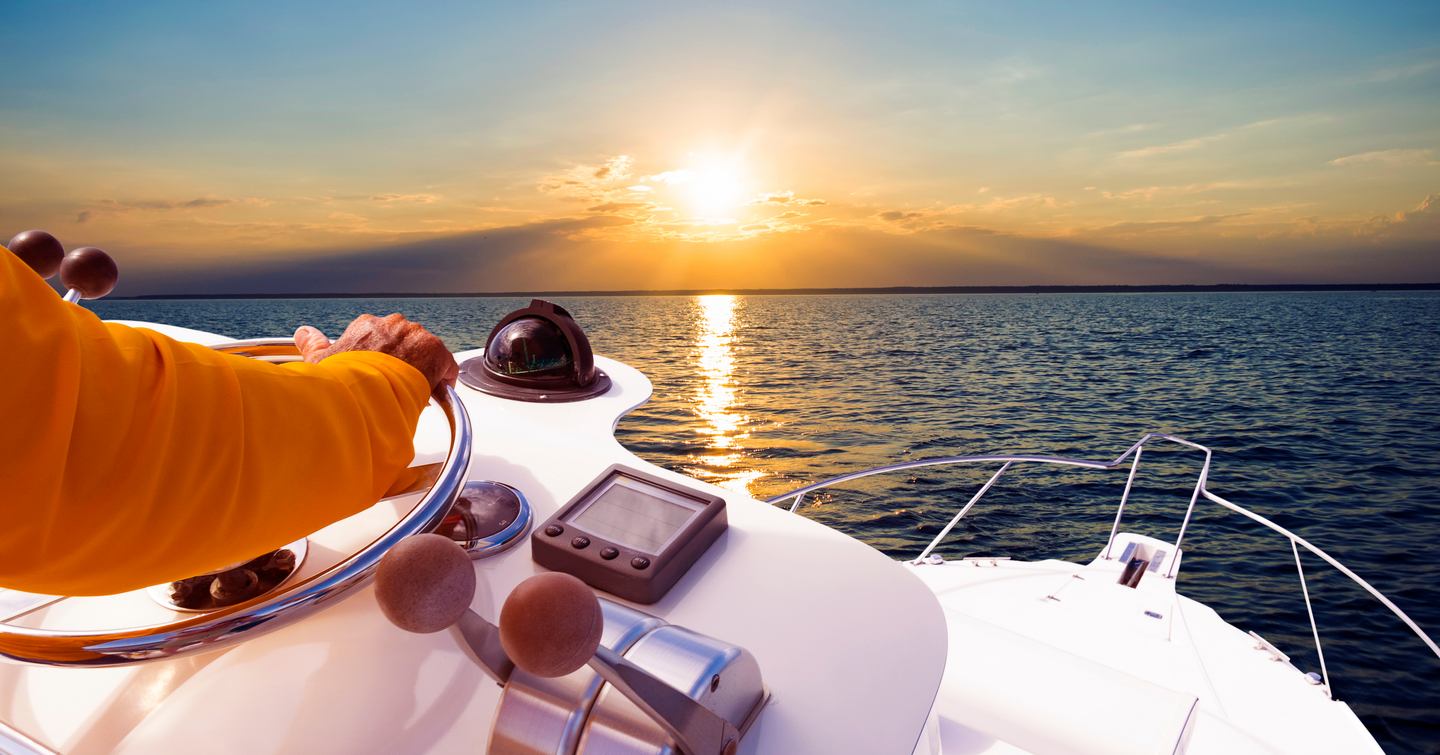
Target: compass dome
538, 353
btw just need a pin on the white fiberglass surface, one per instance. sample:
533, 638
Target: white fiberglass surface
1245, 700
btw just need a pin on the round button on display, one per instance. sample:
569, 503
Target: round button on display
580, 541
608, 553
554, 530
640, 562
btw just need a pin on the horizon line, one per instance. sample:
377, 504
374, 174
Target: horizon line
829, 291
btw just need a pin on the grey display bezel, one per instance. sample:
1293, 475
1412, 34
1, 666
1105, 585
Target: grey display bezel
630, 572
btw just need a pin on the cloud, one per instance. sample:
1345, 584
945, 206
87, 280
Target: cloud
566, 255
1185, 145
614, 207
587, 181
677, 176
575, 254
164, 204
1149, 193
1146, 193
1401, 72
787, 198
94, 209
1133, 128
406, 198
1393, 158
486, 260
1421, 222
205, 202
615, 168
899, 216
1001, 204
1165, 226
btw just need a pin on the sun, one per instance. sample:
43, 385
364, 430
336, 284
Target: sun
714, 188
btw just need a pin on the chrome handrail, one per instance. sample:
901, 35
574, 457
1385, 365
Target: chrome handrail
1133, 452
16, 742
264, 613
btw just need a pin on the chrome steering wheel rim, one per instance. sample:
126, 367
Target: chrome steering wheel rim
251, 618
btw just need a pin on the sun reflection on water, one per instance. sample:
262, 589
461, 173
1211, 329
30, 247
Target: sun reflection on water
715, 405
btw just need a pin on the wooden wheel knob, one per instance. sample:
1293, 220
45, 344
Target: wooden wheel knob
89, 271
38, 249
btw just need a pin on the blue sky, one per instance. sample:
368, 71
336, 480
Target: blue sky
629, 145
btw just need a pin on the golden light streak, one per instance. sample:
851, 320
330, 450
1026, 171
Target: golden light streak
715, 404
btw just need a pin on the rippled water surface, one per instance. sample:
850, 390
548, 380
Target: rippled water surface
1323, 410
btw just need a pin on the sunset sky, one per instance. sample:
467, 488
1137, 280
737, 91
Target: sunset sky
563, 146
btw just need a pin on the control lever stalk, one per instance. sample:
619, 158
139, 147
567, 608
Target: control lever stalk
695, 728
481, 641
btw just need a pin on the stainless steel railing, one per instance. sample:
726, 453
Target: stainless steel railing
1133, 453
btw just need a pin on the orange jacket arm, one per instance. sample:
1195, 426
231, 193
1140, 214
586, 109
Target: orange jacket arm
129, 459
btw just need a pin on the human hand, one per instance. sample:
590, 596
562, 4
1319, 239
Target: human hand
393, 335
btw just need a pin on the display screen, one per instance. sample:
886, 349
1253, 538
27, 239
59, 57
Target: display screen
635, 514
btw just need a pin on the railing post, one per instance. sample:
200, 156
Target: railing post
1314, 630
1134, 465
962, 513
1194, 496
796, 503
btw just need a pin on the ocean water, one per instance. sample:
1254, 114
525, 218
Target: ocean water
1323, 410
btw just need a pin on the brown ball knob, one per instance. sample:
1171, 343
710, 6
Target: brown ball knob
551, 624
89, 271
38, 249
425, 583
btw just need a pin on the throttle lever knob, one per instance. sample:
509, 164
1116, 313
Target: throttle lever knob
38, 249
425, 583
89, 271
551, 624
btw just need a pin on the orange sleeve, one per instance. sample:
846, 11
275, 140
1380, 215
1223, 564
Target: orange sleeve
129, 459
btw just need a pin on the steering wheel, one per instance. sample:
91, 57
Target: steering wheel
262, 613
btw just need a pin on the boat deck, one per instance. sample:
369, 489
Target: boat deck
1053, 656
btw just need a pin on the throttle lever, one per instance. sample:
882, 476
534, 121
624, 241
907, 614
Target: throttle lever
425, 584
550, 626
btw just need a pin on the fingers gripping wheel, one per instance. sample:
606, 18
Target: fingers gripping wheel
261, 614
